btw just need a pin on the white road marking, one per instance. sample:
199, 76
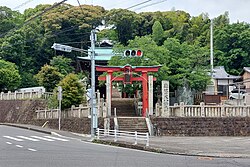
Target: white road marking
13, 138
9, 143
28, 138
56, 138
19, 146
42, 138
31, 149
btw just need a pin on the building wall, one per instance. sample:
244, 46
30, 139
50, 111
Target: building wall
246, 76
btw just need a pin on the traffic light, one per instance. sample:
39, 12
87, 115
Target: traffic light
132, 53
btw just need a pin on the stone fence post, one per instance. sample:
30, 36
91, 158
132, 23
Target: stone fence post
182, 114
1, 96
8, 95
202, 104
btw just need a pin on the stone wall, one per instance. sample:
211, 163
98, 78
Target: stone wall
19, 111
23, 112
229, 126
77, 125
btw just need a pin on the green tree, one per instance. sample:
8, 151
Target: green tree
63, 64
73, 91
48, 77
158, 33
9, 76
232, 49
126, 24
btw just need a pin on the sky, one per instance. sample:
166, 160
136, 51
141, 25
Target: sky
239, 10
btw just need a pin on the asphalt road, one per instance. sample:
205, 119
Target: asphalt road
25, 148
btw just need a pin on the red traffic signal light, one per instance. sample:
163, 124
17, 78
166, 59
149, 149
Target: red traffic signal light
139, 53
133, 53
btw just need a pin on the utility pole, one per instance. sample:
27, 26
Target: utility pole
60, 106
93, 99
211, 48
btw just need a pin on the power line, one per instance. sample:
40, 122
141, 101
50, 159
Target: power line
27, 21
138, 4
23, 4
150, 5
45, 10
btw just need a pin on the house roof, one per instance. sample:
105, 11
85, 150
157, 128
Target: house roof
245, 69
220, 73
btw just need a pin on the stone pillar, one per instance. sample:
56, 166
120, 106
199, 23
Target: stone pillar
157, 109
202, 109
165, 99
182, 114
8, 95
1, 96
150, 95
15, 95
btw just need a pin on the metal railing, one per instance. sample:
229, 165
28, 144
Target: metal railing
134, 136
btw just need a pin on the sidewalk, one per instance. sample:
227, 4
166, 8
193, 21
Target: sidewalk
222, 146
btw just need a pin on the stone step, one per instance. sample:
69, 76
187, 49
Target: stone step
124, 107
132, 124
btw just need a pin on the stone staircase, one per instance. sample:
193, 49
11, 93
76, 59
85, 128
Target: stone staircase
132, 124
116, 93
124, 107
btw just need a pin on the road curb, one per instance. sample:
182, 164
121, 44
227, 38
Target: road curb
164, 151
27, 127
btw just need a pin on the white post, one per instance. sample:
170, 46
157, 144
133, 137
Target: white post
31, 94
1, 95
60, 106
8, 95
147, 144
45, 113
22, 95
98, 133
135, 137
115, 135
15, 95
115, 112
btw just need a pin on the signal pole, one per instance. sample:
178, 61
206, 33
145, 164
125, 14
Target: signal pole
93, 99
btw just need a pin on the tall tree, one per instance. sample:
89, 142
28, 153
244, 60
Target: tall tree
158, 33
63, 64
9, 76
126, 23
48, 77
73, 91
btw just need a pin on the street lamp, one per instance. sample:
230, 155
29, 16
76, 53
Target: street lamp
66, 48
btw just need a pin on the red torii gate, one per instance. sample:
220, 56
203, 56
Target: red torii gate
128, 78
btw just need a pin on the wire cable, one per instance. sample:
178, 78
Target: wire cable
138, 4
32, 18
23, 4
149, 5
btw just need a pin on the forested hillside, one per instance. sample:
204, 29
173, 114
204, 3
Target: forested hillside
174, 39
